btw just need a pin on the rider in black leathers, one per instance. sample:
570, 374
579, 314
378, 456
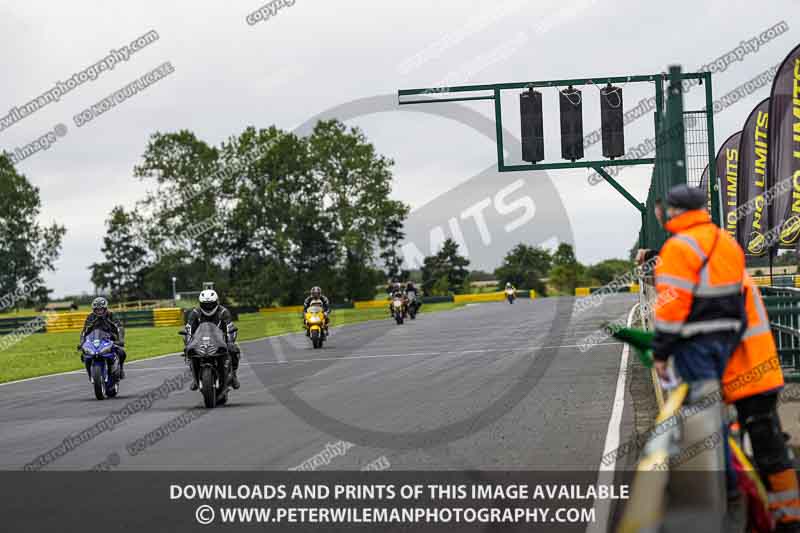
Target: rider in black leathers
103, 319
411, 288
211, 311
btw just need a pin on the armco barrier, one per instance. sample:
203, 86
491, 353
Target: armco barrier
586, 291
481, 297
168, 317
371, 304
781, 280
436, 299
61, 322
10, 325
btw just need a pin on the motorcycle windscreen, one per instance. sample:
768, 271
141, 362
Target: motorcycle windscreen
97, 340
207, 333
314, 309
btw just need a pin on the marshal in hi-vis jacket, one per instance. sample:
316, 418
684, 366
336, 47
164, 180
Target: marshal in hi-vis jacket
754, 367
701, 268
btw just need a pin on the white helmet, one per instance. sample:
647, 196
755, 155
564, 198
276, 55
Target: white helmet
209, 302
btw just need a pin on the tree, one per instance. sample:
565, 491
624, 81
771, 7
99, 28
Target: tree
276, 212
566, 271
564, 255
155, 279
124, 256
480, 275
186, 213
524, 267
389, 243
356, 182
445, 269
605, 271
27, 249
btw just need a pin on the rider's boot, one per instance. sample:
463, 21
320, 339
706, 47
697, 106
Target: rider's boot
195, 382
235, 364
122, 357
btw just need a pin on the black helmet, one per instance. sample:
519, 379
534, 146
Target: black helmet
100, 306
685, 197
316, 292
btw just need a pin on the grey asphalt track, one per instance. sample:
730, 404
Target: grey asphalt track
376, 384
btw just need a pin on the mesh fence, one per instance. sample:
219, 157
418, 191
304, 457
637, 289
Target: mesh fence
696, 142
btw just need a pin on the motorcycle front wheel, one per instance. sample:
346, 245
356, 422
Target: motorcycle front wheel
98, 381
316, 338
209, 390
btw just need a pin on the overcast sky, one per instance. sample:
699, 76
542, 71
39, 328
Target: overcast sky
315, 55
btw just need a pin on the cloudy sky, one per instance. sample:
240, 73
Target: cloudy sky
315, 55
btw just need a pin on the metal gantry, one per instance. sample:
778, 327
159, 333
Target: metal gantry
670, 159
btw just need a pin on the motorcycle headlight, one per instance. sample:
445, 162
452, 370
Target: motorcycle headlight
106, 349
398, 303
314, 320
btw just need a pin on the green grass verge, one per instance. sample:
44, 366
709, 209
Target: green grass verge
42, 354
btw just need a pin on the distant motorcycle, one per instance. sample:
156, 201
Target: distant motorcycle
102, 363
413, 305
398, 309
314, 321
208, 352
511, 295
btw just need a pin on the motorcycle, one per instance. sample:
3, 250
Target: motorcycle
102, 364
314, 320
413, 305
511, 295
208, 353
398, 309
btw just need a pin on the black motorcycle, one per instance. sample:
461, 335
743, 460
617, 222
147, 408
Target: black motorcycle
413, 305
210, 358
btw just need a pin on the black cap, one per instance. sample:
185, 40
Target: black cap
685, 197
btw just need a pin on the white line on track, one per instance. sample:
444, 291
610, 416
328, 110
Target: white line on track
605, 475
414, 354
281, 359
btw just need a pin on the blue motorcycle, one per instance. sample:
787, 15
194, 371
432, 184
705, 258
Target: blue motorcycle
102, 363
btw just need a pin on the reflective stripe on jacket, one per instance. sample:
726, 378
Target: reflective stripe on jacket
754, 367
698, 282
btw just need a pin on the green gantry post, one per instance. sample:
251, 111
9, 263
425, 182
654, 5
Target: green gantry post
713, 186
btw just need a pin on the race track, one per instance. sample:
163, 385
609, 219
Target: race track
488, 386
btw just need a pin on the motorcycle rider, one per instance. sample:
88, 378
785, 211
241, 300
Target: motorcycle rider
103, 319
397, 292
316, 294
393, 287
211, 311
412, 289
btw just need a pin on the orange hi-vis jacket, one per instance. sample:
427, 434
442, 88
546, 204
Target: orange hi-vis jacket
754, 367
698, 283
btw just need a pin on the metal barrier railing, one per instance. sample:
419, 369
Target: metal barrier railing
649, 507
783, 309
